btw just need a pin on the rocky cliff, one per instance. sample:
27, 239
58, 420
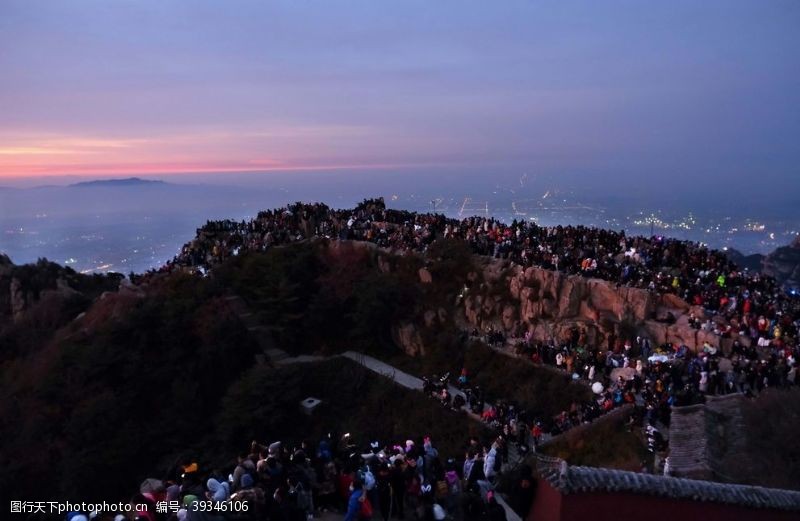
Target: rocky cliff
549, 304
46, 287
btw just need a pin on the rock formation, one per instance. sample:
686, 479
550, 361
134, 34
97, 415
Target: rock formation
407, 337
783, 263
17, 298
32, 291
425, 276
550, 304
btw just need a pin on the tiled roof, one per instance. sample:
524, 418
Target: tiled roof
575, 480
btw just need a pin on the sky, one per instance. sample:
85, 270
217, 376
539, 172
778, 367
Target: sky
639, 92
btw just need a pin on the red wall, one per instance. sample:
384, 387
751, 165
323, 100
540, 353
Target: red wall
546, 503
550, 505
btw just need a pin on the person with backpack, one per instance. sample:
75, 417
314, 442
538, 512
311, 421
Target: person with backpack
300, 497
244, 465
370, 482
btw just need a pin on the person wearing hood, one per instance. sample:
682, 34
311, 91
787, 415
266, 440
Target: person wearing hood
173, 492
254, 497
453, 481
218, 491
244, 465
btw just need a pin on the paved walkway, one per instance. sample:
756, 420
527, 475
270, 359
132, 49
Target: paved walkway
382, 368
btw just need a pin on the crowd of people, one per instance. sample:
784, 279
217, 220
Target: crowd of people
752, 308
747, 303
759, 317
276, 482
656, 379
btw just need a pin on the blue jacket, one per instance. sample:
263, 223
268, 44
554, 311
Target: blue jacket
354, 506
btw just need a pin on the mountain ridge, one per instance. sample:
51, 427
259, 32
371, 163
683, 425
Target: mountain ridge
123, 182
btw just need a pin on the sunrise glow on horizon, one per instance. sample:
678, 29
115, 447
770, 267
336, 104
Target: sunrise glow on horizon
49, 155
561, 87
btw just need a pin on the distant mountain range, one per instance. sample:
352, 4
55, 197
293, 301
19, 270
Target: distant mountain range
783, 263
128, 181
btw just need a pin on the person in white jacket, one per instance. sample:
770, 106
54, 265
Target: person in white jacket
489, 462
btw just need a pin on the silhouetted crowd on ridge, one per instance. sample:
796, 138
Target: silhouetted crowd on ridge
750, 304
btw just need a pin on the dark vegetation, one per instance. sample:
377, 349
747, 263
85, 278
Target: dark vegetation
175, 381
543, 392
264, 405
90, 411
47, 306
608, 442
318, 299
771, 423
93, 405
328, 298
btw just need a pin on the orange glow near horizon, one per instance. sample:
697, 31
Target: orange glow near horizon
48, 155
177, 168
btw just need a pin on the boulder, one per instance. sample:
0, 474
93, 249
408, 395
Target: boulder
509, 317
425, 276
573, 291
407, 337
605, 299
672, 301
